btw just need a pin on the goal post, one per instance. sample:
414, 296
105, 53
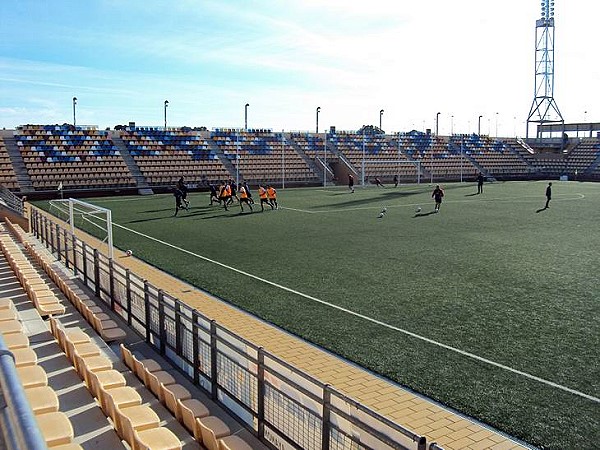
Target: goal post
391, 166
78, 214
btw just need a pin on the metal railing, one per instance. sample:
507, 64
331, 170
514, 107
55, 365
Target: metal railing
280, 404
18, 424
11, 201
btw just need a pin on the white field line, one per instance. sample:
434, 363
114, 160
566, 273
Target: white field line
370, 319
495, 200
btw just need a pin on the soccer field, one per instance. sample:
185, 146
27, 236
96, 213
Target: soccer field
491, 306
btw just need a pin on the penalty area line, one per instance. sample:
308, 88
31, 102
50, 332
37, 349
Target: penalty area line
372, 320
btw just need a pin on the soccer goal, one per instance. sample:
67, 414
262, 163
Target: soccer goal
407, 171
86, 217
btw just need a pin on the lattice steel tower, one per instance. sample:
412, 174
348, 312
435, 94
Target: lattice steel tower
544, 108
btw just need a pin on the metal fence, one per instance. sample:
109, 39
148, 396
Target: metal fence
11, 200
17, 422
283, 406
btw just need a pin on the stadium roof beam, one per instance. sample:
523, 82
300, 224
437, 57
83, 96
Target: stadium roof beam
544, 109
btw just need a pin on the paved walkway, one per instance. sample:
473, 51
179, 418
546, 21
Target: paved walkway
419, 415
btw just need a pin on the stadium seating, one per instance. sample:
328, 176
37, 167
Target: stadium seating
77, 157
165, 155
8, 177
493, 156
258, 154
376, 148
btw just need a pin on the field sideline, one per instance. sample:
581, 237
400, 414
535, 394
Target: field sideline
489, 276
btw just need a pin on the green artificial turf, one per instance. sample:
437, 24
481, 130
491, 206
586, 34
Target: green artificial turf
491, 275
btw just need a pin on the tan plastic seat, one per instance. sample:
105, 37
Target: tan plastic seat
10, 326
233, 443
55, 428
32, 376
145, 365
212, 429
84, 350
156, 379
16, 341
135, 418
106, 379
91, 364
24, 357
42, 399
156, 439
107, 329
192, 409
171, 394
7, 314
6, 303
119, 397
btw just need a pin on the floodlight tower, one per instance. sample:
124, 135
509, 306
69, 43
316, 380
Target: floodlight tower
544, 108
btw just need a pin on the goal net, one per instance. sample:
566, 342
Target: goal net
87, 217
406, 171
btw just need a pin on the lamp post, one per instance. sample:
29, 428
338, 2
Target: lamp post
496, 125
479, 125
246, 116
325, 159
452, 124
74, 104
380, 116
437, 121
318, 111
166, 105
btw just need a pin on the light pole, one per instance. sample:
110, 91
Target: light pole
437, 121
74, 103
479, 125
452, 124
380, 116
246, 116
325, 159
363, 158
166, 105
318, 111
496, 125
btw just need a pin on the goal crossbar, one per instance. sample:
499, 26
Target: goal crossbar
73, 207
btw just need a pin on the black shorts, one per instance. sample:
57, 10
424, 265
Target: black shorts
245, 200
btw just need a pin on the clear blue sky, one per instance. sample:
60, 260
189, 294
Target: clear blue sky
122, 59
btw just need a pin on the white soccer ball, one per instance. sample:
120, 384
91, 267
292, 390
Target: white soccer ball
381, 214
418, 209
129, 252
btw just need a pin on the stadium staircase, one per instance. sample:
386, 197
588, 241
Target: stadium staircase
309, 162
510, 149
469, 158
223, 158
23, 178
140, 181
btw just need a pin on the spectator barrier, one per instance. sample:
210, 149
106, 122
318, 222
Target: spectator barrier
279, 403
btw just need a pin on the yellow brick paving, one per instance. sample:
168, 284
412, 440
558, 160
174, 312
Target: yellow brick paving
417, 414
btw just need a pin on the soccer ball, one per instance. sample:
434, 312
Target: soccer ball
129, 252
381, 214
418, 209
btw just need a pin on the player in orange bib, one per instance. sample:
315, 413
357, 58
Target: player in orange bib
244, 198
272, 196
262, 193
